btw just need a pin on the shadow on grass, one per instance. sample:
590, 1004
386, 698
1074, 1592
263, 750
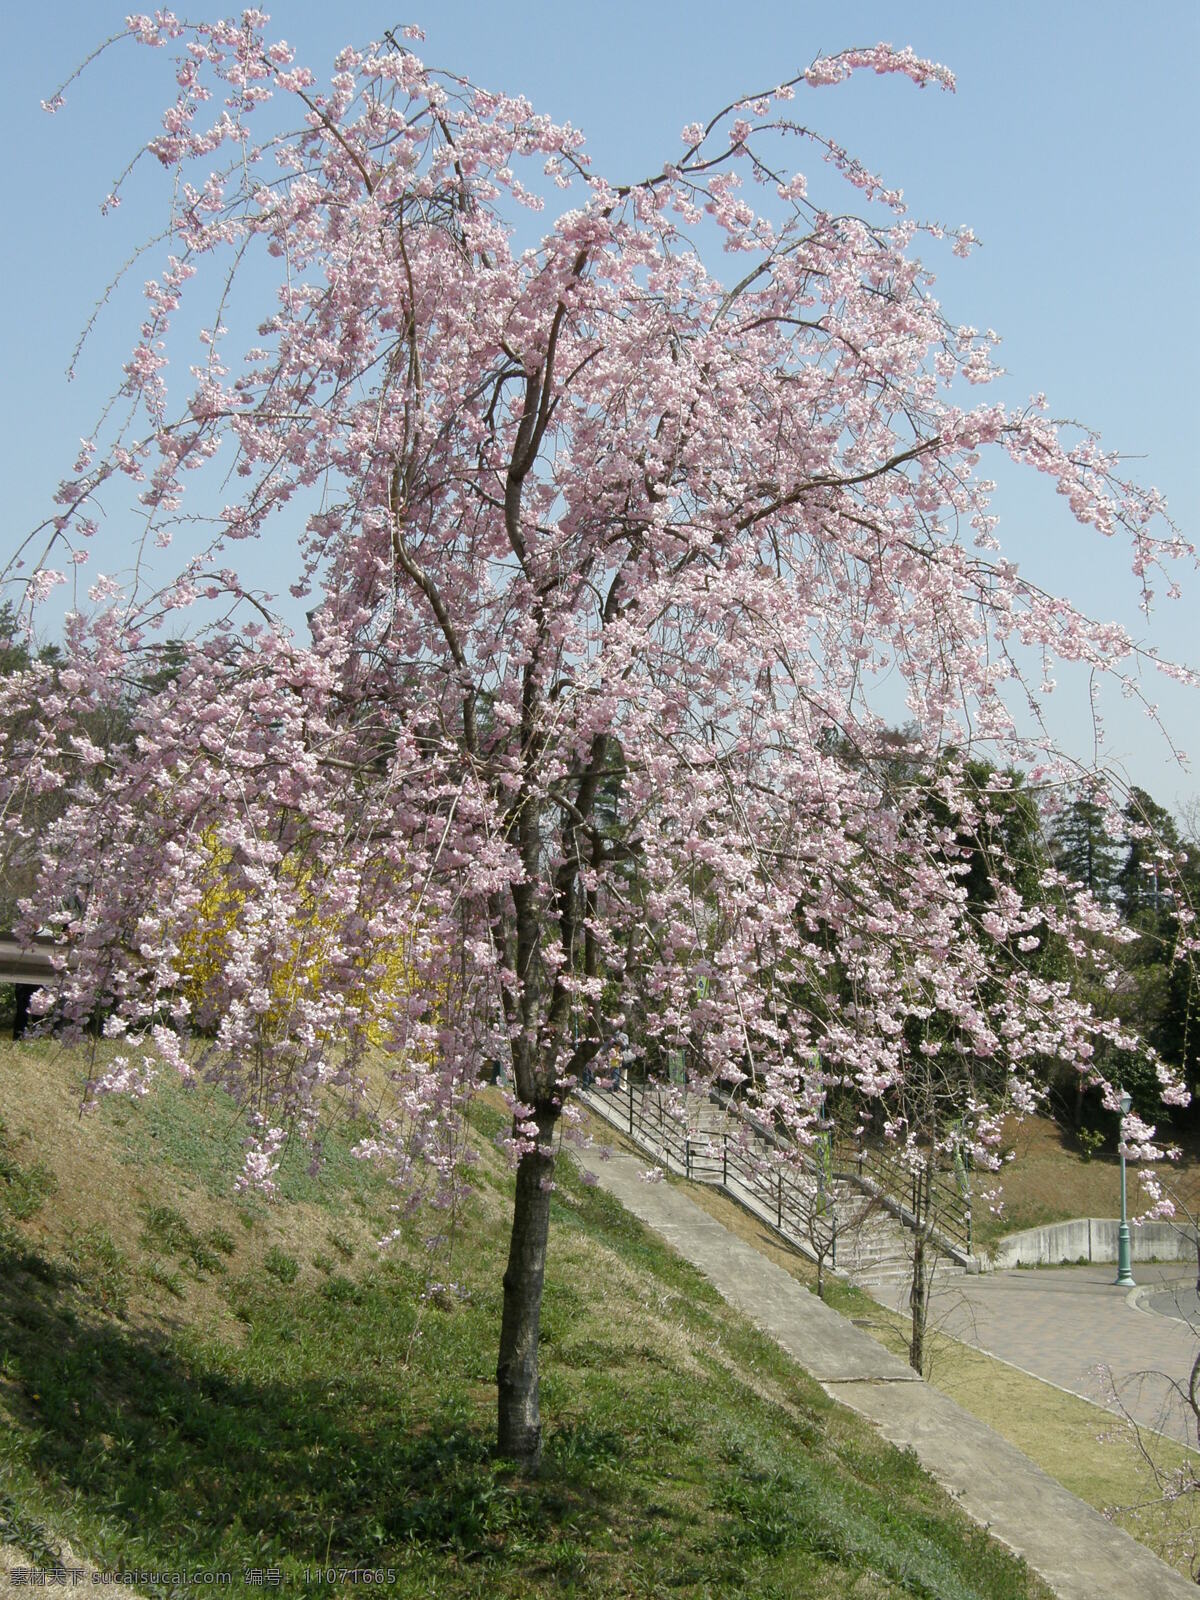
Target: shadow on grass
349, 1423
163, 1455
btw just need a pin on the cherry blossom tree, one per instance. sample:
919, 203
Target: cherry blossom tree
601, 553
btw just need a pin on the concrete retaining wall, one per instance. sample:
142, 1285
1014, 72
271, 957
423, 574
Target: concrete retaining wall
1094, 1239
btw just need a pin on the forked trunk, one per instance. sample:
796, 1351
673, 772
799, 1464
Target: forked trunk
520, 1421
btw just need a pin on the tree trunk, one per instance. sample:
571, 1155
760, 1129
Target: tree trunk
920, 1307
24, 994
519, 1433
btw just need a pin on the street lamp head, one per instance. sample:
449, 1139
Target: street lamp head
1126, 1102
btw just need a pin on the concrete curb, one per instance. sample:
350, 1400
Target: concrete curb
1072, 1547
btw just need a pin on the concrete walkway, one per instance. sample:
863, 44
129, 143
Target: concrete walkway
1078, 1553
1064, 1324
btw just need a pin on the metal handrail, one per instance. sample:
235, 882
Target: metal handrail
930, 1202
893, 1184
27, 961
808, 1220
944, 1211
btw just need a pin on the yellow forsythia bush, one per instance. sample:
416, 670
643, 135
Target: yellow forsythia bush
205, 947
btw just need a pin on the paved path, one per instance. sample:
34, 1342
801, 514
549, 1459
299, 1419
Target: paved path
1065, 1324
1078, 1553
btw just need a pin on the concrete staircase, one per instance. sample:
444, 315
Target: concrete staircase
875, 1247
858, 1227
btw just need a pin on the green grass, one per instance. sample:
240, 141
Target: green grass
284, 1415
24, 1190
199, 1132
167, 1232
281, 1265
100, 1269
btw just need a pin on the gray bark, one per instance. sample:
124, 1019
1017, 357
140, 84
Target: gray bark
519, 1418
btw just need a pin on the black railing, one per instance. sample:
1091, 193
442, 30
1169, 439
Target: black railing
795, 1202
942, 1209
791, 1190
922, 1196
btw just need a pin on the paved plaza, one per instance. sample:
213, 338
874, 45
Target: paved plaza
1068, 1324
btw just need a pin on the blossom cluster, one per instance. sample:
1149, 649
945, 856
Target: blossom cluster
602, 555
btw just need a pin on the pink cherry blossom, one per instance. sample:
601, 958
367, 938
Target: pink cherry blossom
602, 553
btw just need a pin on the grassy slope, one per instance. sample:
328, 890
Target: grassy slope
189, 1377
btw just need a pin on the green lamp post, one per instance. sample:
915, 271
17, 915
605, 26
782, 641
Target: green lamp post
1124, 1275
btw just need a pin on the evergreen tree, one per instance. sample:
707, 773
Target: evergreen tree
1081, 847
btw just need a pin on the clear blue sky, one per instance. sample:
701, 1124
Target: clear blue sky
1071, 148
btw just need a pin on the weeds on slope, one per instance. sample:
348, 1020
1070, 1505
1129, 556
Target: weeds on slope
187, 1381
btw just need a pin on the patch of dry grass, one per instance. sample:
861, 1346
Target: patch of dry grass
1051, 1179
186, 1235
